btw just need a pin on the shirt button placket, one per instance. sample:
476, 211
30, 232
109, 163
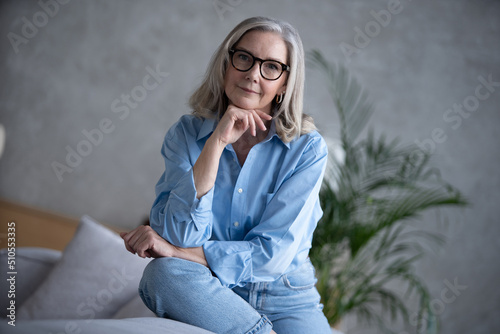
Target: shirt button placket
239, 200
236, 223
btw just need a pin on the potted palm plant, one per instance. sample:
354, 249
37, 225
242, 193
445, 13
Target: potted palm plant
374, 191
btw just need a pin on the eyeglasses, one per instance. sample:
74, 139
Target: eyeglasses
269, 69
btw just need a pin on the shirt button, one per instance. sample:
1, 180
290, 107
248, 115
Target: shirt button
236, 224
240, 190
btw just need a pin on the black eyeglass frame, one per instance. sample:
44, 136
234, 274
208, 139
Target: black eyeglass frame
284, 67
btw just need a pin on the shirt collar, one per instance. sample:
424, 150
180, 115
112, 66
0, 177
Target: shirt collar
209, 125
207, 128
272, 133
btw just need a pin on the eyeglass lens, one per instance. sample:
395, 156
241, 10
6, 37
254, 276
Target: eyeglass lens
269, 69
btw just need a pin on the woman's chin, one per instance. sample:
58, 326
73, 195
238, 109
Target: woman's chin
248, 105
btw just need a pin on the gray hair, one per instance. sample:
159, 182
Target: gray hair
210, 101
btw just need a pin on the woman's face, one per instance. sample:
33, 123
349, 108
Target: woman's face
249, 90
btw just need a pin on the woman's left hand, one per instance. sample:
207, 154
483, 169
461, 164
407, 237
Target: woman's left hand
145, 242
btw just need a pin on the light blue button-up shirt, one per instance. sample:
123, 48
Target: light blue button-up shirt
257, 221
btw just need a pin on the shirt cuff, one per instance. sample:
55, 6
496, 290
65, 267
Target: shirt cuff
197, 210
231, 261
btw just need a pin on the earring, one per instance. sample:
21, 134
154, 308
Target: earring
279, 98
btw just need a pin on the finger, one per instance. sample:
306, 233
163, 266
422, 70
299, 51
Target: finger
259, 121
264, 115
126, 237
136, 235
143, 249
143, 244
137, 240
245, 122
253, 127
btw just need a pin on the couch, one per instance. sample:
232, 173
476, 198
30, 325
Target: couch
89, 287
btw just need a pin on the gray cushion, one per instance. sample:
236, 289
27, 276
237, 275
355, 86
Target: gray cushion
135, 308
95, 277
102, 326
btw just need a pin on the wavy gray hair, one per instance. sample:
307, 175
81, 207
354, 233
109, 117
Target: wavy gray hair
210, 100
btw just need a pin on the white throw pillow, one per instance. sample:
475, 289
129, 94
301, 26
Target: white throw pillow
95, 277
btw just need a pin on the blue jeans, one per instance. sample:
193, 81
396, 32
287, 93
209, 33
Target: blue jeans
188, 292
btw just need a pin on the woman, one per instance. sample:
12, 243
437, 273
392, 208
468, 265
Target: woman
238, 202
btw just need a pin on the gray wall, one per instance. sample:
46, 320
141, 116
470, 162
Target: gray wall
70, 73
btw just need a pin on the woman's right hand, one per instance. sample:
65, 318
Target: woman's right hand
237, 121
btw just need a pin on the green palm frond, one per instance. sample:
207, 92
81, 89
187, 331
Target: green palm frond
351, 100
363, 243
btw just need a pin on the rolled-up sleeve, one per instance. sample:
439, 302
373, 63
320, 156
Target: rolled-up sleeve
284, 231
177, 215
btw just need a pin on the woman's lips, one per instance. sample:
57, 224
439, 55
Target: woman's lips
248, 90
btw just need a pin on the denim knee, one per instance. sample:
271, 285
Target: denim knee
168, 277
167, 269
174, 270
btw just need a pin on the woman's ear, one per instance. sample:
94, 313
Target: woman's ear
282, 90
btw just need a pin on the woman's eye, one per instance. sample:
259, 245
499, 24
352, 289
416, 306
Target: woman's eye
272, 66
243, 57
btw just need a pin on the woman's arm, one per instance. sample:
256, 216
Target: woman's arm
171, 216
182, 211
231, 127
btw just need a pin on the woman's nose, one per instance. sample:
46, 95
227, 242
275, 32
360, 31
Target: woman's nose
254, 72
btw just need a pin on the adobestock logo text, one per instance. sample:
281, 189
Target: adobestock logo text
119, 106
456, 115
30, 28
363, 36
